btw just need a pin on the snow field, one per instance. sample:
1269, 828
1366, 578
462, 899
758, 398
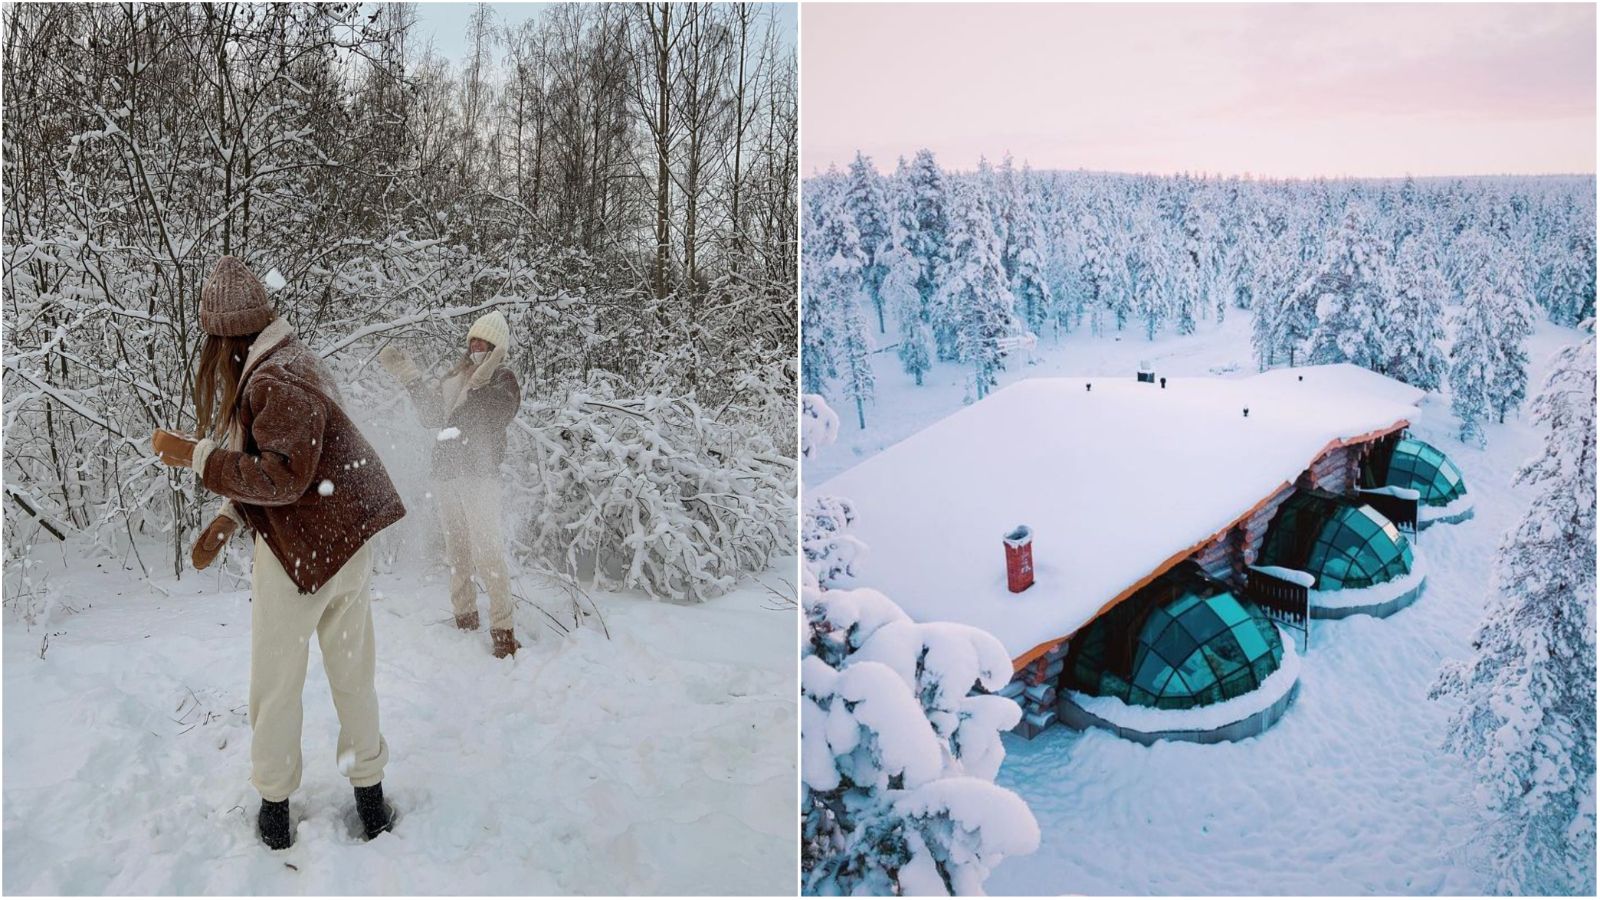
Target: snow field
659, 761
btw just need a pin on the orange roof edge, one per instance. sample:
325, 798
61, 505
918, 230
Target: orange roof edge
1032, 655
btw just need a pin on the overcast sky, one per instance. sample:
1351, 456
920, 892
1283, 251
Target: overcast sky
1285, 90
446, 23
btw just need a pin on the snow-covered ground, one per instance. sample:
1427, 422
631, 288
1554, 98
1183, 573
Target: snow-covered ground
660, 760
1350, 792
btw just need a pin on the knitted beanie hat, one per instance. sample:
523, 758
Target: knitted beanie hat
492, 327
233, 302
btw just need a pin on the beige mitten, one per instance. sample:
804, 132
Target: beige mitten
211, 540
176, 450
399, 364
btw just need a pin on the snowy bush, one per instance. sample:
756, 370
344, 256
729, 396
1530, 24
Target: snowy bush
898, 754
830, 553
819, 425
651, 492
1527, 719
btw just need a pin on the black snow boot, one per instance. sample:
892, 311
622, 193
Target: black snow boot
273, 824
373, 811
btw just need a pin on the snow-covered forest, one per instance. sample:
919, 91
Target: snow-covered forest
621, 181
1435, 282
1448, 748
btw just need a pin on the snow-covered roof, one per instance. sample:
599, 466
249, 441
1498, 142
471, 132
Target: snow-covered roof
1115, 482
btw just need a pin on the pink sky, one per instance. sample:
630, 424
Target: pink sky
1285, 91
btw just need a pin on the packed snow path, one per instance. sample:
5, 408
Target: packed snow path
659, 761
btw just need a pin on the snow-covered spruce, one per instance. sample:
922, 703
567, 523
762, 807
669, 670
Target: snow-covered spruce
898, 756
1527, 719
1350, 291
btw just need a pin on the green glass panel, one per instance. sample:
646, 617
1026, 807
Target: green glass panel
1425, 469
1203, 646
1204, 622
1174, 644
1249, 641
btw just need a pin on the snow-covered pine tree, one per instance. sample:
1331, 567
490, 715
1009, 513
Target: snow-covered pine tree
899, 290
1294, 322
1101, 271
1473, 355
860, 383
1572, 281
1352, 287
1527, 720
819, 318
864, 198
1189, 277
924, 216
1034, 302
1272, 283
1023, 263
1416, 318
1143, 267
1513, 313
835, 289
973, 300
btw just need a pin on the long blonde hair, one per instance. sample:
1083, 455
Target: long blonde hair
216, 383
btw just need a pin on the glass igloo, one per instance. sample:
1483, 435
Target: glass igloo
1199, 645
1424, 468
1342, 543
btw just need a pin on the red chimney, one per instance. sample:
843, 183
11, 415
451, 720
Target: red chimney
1019, 558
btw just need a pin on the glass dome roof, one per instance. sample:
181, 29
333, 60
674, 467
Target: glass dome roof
1424, 468
1342, 543
1201, 647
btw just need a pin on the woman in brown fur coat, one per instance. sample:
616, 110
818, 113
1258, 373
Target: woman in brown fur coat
296, 472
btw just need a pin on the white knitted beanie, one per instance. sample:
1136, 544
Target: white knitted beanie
492, 327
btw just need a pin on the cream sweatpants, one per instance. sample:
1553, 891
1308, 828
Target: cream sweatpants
282, 621
471, 510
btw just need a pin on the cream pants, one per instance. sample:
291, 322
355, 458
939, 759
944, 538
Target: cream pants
473, 546
282, 621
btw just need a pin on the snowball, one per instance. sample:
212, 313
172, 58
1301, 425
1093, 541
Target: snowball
274, 280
